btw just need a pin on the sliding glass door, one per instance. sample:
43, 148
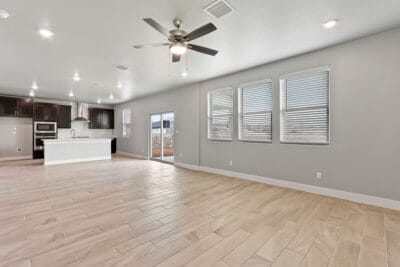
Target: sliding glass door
162, 136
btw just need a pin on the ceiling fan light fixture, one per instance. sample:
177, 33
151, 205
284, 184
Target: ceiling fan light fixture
178, 48
4, 14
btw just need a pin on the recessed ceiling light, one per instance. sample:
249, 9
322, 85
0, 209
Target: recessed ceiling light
31, 93
331, 23
76, 77
184, 74
35, 86
111, 96
4, 14
71, 94
98, 101
46, 33
119, 85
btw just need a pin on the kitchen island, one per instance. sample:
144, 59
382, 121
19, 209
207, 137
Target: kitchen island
60, 151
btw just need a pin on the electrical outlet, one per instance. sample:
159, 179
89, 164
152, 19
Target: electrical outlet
318, 175
230, 163
181, 155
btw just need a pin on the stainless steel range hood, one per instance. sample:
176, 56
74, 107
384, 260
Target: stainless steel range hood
82, 110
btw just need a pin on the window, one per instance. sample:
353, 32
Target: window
255, 111
220, 114
126, 122
305, 107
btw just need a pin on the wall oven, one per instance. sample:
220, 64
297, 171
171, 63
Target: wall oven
41, 131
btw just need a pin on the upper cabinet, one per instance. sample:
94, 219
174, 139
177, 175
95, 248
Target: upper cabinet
53, 112
64, 117
16, 107
45, 112
101, 118
108, 119
25, 107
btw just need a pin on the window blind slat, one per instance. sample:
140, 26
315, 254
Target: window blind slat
255, 112
305, 108
220, 114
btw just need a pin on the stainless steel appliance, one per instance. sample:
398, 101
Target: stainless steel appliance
45, 127
43, 130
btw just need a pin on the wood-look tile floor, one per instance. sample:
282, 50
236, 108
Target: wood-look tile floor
128, 212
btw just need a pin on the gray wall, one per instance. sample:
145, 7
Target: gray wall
365, 129
15, 137
183, 102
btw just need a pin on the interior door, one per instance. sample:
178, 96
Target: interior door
162, 136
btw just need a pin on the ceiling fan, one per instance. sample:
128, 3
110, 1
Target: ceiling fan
178, 39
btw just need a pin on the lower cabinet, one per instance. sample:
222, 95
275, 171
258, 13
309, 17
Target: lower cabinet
114, 145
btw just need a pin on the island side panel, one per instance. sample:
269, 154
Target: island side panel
69, 152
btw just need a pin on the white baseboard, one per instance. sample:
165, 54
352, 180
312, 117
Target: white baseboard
57, 162
132, 155
355, 197
187, 166
15, 158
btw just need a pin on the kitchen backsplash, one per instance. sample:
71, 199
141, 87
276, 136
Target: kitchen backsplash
82, 129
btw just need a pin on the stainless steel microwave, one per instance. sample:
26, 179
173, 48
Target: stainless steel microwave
45, 127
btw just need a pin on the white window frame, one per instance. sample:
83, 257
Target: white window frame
126, 124
208, 114
308, 71
240, 114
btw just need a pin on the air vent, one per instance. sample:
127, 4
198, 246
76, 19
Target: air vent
120, 67
219, 9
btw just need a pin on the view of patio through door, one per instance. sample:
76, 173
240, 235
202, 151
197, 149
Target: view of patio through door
162, 136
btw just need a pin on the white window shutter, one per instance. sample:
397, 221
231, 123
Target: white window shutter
255, 111
220, 114
305, 107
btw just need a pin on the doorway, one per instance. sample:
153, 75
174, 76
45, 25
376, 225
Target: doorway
162, 137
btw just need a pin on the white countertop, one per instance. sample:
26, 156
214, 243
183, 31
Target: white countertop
75, 140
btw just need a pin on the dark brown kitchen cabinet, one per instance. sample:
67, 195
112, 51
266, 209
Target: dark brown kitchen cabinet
25, 107
15, 107
101, 118
45, 112
108, 119
95, 118
64, 117
8, 106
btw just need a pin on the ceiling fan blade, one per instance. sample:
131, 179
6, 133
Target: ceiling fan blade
176, 58
150, 45
200, 32
157, 26
203, 49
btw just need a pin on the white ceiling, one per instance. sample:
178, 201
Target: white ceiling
93, 35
